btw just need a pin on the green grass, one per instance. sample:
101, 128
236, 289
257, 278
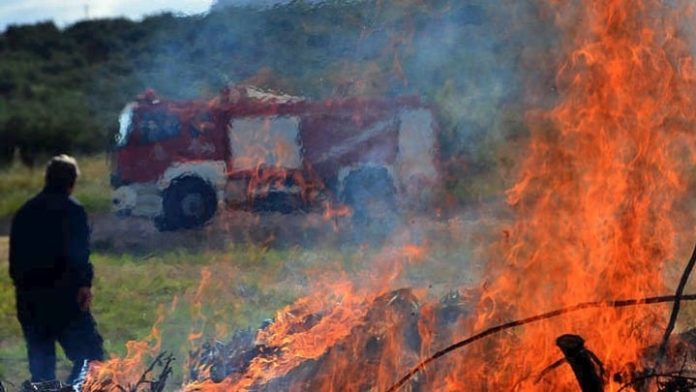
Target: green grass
18, 183
245, 286
172, 291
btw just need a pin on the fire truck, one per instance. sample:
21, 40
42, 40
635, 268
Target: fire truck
179, 162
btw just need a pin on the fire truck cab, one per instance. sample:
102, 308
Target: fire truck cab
179, 161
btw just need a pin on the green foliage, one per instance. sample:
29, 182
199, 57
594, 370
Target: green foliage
19, 182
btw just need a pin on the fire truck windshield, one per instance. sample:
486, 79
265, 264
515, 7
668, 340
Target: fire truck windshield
125, 121
157, 125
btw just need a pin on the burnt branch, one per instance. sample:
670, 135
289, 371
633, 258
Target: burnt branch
588, 369
548, 369
144, 383
674, 381
675, 308
544, 316
164, 360
143, 378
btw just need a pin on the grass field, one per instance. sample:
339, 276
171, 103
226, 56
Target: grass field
245, 285
210, 293
19, 182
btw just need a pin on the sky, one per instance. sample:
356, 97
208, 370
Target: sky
66, 12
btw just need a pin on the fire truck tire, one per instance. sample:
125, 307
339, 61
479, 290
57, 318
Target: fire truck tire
187, 203
371, 194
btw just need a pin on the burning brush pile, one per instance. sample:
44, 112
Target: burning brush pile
389, 337
574, 294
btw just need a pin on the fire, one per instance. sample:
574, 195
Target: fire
414, 252
113, 374
312, 327
289, 341
594, 203
197, 306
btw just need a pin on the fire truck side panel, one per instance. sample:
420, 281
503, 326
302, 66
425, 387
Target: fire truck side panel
335, 141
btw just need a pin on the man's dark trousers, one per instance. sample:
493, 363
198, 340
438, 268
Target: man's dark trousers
48, 316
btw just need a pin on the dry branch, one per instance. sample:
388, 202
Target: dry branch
588, 369
675, 308
144, 383
517, 323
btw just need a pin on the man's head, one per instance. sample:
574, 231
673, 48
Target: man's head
61, 173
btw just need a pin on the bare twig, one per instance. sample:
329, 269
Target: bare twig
164, 360
143, 378
529, 320
548, 369
676, 375
159, 384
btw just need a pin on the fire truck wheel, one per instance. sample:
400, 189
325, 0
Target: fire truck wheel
188, 202
372, 196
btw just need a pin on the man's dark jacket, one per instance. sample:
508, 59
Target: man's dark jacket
49, 245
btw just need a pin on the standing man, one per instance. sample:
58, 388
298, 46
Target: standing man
52, 275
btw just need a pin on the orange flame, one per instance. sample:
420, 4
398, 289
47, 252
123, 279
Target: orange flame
114, 374
197, 306
291, 344
313, 325
595, 201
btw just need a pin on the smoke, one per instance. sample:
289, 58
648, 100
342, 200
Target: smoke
473, 62
471, 59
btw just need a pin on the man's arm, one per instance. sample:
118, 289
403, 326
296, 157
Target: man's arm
15, 273
78, 249
78, 257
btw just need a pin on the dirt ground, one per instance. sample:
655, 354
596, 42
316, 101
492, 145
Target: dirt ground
138, 235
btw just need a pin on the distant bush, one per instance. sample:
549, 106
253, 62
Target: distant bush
19, 182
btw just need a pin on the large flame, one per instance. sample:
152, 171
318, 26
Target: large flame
596, 194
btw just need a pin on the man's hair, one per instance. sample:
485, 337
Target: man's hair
61, 173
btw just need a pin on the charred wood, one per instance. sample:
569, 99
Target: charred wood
675, 307
148, 382
46, 386
588, 369
676, 371
391, 321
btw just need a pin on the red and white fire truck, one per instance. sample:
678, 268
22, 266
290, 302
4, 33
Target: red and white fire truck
178, 162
